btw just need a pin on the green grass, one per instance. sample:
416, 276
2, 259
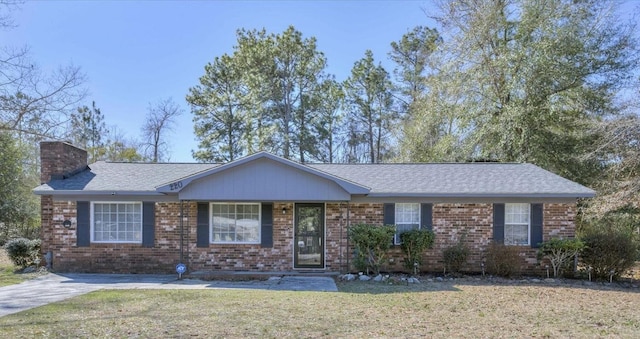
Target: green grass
428, 309
8, 275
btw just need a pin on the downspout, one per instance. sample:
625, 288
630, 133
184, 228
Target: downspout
188, 230
348, 224
181, 231
341, 237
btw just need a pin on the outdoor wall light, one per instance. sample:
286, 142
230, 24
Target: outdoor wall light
66, 223
284, 210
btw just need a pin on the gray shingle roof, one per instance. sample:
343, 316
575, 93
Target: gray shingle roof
118, 176
428, 180
464, 179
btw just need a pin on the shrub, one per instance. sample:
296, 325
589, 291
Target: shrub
560, 252
414, 243
371, 243
608, 252
23, 252
455, 257
502, 260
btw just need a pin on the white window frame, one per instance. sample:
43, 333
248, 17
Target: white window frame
528, 224
92, 222
396, 236
211, 234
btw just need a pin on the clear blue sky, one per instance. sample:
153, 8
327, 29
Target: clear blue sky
139, 52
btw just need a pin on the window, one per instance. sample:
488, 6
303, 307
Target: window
516, 224
116, 222
235, 223
407, 218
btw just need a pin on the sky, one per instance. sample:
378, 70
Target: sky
136, 53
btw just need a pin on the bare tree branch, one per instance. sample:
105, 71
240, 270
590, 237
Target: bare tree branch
160, 121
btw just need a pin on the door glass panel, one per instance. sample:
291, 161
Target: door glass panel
309, 233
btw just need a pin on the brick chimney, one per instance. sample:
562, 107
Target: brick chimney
60, 159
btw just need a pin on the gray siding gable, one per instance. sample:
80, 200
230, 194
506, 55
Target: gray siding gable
264, 171
263, 179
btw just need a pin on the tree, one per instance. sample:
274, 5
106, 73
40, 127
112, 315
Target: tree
88, 129
411, 55
285, 72
220, 108
531, 76
118, 148
262, 97
619, 186
368, 92
328, 126
18, 206
159, 122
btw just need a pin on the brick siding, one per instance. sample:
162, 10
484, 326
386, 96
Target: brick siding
451, 222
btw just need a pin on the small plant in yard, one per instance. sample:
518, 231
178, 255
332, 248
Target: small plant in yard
23, 252
371, 243
455, 256
502, 260
609, 253
560, 252
414, 243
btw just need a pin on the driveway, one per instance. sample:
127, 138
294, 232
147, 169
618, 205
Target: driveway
56, 287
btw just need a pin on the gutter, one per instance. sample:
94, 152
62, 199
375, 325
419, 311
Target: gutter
84, 193
481, 195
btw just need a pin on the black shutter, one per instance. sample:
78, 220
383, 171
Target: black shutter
83, 220
203, 225
536, 225
266, 233
148, 223
427, 216
389, 217
498, 223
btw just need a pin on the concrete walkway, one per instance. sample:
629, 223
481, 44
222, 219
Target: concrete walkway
56, 287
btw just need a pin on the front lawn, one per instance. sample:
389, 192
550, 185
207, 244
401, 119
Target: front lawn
440, 309
8, 273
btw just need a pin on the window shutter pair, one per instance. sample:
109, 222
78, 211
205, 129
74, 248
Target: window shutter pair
83, 229
536, 224
266, 231
426, 211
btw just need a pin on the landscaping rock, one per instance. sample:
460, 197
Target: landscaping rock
365, 278
413, 280
378, 278
439, 279
349, 277
29, 269
535, 281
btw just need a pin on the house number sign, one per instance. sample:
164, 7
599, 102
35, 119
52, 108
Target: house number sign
175, 186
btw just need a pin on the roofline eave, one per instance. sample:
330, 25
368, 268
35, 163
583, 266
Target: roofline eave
481, 195
104, 192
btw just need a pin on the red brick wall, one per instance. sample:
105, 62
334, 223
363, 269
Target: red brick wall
450, 223
474, 224
109, 258
248, 257
60, 158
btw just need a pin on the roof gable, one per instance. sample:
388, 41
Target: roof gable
263, 176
